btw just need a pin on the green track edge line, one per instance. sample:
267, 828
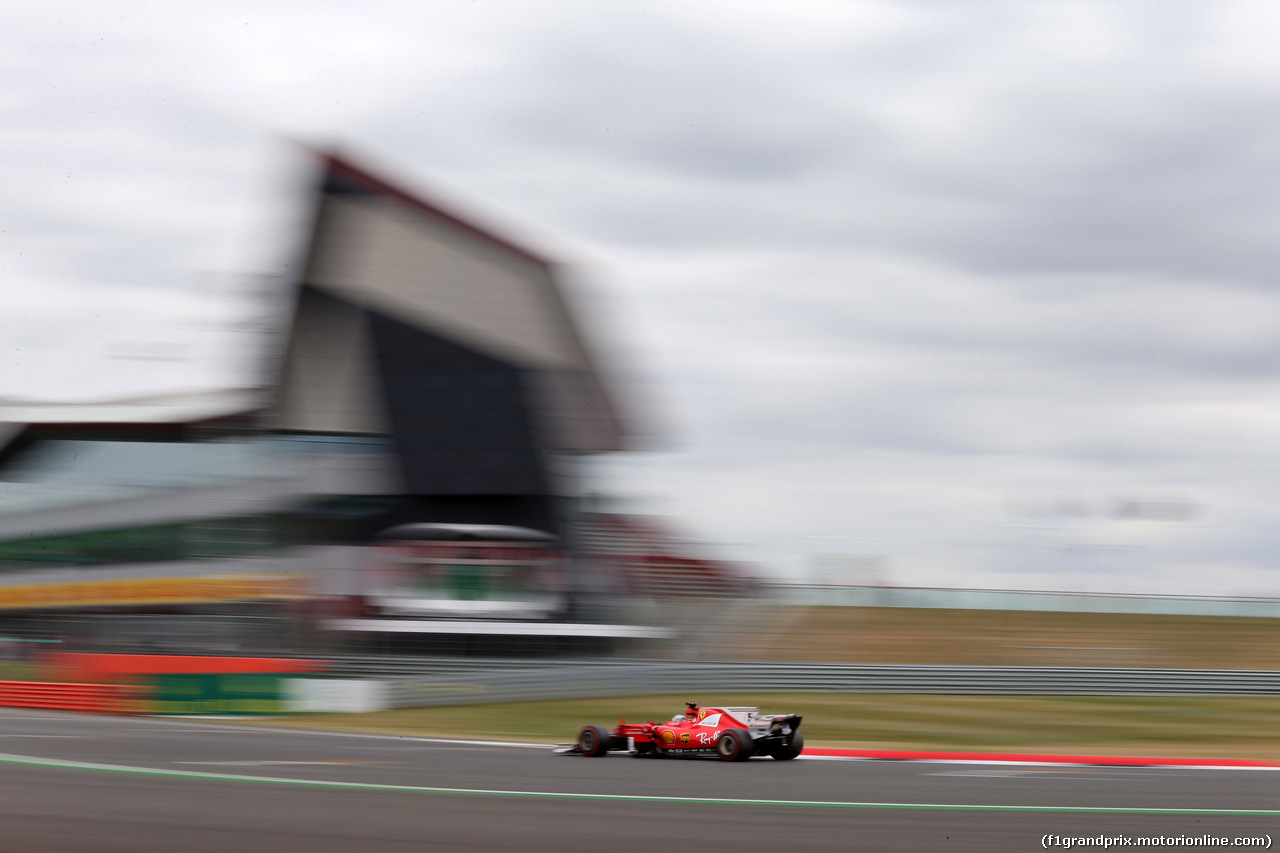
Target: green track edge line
33, 761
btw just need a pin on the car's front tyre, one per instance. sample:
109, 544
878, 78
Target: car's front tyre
594, 741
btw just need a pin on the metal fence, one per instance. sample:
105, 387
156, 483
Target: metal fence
417, 682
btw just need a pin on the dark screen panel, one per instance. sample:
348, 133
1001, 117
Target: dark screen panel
461, 419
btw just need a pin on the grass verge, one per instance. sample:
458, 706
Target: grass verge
1174, 727
19, 671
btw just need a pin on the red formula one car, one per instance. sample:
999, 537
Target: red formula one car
734, 734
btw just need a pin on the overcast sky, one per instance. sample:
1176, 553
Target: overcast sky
954, 293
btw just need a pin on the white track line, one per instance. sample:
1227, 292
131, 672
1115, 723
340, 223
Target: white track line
32, 761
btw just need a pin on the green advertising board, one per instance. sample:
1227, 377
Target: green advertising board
219, 693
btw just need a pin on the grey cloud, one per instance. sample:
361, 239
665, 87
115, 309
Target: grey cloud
1184, 199
692, 104
1125, 167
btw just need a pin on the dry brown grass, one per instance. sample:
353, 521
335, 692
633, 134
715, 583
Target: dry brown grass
1014, 638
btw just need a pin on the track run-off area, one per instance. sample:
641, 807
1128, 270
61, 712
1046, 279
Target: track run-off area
83, 783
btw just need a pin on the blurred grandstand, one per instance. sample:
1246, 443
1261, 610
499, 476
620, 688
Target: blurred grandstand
430, 371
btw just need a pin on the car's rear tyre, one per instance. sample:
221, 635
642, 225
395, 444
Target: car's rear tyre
594, 741
734, 745
789, 750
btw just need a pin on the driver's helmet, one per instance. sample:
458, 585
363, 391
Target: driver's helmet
678, 718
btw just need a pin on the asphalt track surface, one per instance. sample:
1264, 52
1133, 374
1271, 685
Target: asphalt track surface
72, 783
